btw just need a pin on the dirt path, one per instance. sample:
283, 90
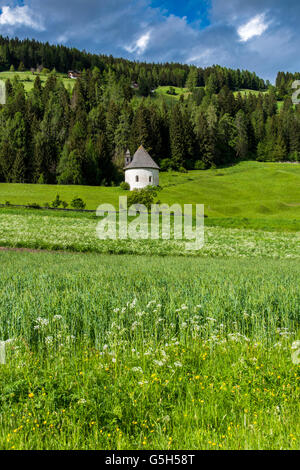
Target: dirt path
31, 250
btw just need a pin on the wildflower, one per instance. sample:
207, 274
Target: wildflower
137, 369
57, 317
82, 401
49, 340
159, 363
31, 395
177, 364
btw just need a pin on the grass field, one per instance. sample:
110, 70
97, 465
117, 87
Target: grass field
247, 92
163, 91
27, 78
73, 232
250, 194
104, 352
126, 345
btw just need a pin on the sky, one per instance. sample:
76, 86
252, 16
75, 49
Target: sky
258, 35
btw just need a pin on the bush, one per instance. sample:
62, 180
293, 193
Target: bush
182, 170
166, 164
34, 205
56, 203
200, 165
171, 91
294, 157
78, 203
144, 196
125, 186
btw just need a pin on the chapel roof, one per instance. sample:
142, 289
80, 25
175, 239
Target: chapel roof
142, 159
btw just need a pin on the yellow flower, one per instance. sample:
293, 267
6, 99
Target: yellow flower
31, 395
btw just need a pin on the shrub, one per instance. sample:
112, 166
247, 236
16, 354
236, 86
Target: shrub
143, 196
171, 91
41, 179
57, 202
294, 157
34, 205
200, 165
78, 203
182, 170
64, 204
125, 186
166, 164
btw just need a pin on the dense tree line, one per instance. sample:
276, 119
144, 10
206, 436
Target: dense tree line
27, 54
284, 84
52, 136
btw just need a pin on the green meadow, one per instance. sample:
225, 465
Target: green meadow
162, 91
120, 352
27, 79
247, 195
140, 344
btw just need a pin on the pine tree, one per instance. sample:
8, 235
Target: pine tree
141, 133
206, 141
21, 67
13, 155
279, 152
242, 141
177, 137
192, 79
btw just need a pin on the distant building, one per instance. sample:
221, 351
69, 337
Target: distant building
141, 170
74, 74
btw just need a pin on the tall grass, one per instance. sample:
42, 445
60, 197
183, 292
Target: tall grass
129, 352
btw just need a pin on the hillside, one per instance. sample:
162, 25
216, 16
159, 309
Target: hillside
46, 137
27, 79
266, 194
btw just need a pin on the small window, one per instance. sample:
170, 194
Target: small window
150, 179
137, 179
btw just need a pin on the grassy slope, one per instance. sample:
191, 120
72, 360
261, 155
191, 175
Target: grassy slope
28, 79
248, 92
161, 91
268, 192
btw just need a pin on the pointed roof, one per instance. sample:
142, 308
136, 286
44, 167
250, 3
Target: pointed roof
142, 159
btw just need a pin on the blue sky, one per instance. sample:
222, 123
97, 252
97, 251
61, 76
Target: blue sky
259, 35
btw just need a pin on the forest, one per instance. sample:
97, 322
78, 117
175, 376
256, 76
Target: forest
51, 135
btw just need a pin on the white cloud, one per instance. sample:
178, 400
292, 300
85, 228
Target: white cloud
20, 16
255, 27
141, 44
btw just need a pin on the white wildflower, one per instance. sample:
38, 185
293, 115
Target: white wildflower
177, 364
57, 317
137, 369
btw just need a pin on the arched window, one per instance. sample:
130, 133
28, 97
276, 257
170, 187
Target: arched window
136, 179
